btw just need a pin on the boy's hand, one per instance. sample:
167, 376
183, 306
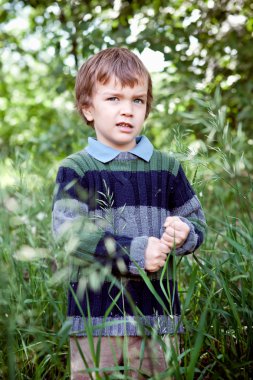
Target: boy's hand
176, 232
155, 254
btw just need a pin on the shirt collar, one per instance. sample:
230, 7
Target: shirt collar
103, 153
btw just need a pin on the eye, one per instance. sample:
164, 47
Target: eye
113, 99
139, 101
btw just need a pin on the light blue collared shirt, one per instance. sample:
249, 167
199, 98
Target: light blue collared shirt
103, 153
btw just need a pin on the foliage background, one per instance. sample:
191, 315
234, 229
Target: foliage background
202, 111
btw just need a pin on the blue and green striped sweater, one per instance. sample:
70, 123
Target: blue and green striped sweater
105, 212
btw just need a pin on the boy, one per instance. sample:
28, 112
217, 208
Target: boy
124, 209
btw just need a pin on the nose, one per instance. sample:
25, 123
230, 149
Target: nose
127, 109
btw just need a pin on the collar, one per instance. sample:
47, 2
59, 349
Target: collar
103, 153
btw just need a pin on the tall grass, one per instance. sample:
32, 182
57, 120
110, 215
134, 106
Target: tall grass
32, 311
215, 283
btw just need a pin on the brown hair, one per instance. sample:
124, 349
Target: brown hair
118, 62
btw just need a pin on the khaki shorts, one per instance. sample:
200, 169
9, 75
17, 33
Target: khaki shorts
138, 358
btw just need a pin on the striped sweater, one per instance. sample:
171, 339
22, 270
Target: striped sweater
105, 212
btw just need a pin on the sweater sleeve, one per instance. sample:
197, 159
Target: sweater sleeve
86, 237
185, 204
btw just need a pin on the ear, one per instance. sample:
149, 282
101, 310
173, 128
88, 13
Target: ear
87, 112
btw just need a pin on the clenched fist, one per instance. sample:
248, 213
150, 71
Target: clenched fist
155, 254
176, 232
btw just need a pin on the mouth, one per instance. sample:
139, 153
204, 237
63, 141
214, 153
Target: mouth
124, 127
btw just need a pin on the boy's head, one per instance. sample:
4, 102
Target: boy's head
118, 63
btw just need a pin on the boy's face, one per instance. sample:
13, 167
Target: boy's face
118, 113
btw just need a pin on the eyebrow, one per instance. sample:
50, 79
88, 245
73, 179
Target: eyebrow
137, 95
